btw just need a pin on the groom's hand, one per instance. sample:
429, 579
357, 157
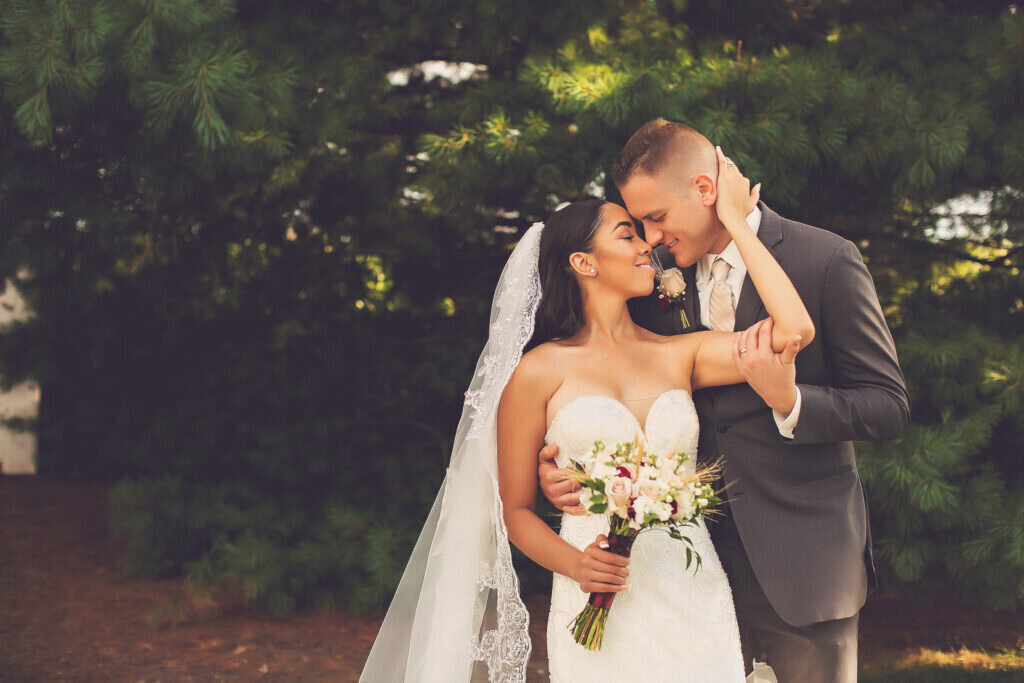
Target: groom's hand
771, 375
556, 485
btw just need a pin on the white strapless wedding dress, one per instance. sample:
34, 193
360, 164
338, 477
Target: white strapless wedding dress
673, 624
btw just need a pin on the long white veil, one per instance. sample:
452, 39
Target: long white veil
457, 615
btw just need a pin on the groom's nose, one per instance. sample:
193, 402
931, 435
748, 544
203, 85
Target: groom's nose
653, 235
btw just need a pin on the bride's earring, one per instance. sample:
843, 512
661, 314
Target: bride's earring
593, 271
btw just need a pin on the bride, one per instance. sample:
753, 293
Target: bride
590, 373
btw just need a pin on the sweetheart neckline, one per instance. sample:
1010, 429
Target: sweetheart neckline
636, 420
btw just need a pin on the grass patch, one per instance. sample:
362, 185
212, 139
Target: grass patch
935, 666
941, 674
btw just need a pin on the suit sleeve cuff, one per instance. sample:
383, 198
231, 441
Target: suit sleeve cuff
787, 423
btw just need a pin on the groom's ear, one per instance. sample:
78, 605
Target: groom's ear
707, 190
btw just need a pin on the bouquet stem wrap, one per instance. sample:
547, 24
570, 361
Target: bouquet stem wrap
588, 626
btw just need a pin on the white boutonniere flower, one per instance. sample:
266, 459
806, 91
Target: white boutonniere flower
671, 289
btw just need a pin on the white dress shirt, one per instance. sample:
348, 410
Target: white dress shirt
738, 273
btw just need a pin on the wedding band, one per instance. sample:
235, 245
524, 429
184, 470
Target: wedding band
729, 163
742, 351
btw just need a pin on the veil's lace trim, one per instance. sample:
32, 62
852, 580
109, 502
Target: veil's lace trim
492, 627
505, 649
511, 325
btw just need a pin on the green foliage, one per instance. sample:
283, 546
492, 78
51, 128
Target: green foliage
948, 493
262, 241
278, 551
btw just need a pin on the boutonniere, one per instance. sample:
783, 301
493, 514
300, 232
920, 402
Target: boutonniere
671, 289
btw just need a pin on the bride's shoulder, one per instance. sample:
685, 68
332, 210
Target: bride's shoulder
653, 337
674, 348
540, 365
542, 358
669, 342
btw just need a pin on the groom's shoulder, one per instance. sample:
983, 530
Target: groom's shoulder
793, 229
812, 242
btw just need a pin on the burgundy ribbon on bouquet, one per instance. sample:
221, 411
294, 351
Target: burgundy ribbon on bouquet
588, 626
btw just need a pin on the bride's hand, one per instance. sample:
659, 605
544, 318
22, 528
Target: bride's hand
772, 375
735, 198
600, 571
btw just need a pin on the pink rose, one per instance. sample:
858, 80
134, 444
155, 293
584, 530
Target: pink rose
619, 491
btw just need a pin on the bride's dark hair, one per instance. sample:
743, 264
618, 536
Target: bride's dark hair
568, 230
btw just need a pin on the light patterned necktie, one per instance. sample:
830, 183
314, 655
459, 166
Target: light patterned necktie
721, 315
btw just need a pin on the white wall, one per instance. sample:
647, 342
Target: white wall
17, 449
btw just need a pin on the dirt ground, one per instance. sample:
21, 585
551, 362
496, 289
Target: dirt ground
68, 612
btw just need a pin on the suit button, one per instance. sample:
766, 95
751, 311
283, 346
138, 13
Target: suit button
723, 428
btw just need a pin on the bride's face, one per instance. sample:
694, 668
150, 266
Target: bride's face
621, 259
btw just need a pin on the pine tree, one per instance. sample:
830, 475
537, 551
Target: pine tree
263, 240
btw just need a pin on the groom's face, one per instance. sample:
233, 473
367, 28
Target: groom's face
674, 212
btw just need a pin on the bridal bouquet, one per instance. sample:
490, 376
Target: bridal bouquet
637, 490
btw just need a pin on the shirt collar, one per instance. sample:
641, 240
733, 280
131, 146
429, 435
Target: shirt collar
731, 253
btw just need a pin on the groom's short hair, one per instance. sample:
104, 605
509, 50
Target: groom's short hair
650, 148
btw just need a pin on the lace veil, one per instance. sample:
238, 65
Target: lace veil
457, 615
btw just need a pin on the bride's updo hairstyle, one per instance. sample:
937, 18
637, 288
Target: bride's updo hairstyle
566, 231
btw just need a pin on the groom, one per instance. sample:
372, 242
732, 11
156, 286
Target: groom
795, 539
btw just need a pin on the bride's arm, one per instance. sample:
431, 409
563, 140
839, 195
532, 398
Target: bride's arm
521, 426
791, 323
784, 305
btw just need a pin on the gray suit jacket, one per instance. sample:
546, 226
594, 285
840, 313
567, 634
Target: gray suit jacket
799, 504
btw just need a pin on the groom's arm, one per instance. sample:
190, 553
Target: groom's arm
867, 398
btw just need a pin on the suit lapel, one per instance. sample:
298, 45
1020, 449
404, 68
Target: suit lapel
750, 308
692, 303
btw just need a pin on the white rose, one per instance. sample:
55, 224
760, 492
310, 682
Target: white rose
684, 510
649, 488
672, 282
